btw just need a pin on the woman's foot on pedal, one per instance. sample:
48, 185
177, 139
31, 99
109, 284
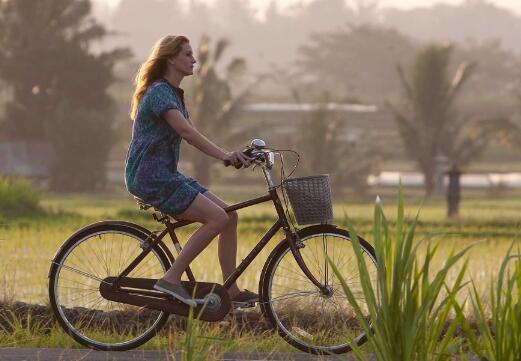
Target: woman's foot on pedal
175, 290
245, 299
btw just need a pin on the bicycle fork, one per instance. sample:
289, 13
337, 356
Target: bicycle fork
295, 244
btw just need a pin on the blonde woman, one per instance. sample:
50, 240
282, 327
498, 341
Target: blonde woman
161, 121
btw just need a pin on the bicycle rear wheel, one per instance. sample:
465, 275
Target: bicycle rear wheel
302, 314
84, 260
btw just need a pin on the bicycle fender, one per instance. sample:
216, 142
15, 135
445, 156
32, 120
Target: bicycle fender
146, 232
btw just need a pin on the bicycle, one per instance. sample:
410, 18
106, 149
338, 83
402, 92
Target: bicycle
101, 279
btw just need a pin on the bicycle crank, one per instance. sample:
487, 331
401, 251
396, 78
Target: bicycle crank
213, 301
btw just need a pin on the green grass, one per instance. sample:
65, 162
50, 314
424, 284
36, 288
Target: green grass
200, 338
499, 327
27, 244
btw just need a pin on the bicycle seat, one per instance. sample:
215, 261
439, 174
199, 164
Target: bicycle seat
142, 204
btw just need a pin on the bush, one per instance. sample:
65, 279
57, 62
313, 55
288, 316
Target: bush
18, 197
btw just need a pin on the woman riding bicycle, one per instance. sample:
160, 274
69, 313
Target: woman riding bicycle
161, 121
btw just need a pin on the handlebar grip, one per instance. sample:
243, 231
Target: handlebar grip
246, 151
227, 163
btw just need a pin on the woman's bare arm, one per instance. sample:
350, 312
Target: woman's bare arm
192, 135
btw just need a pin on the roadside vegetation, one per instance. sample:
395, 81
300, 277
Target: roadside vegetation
410, 302
18, 197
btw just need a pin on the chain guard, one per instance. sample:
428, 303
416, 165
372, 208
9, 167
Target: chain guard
140, 292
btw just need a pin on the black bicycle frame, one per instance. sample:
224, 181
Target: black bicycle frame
282, 222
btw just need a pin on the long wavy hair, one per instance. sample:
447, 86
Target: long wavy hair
155, 66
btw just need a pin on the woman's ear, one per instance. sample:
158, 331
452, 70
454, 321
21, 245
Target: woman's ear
171, 61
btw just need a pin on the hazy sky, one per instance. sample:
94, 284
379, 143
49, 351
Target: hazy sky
261, 5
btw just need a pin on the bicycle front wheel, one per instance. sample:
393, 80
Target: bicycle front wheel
89, 256
305, 317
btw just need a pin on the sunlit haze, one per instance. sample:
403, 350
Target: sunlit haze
261, 5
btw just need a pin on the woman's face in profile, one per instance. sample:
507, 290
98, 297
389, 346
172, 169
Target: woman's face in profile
184, 61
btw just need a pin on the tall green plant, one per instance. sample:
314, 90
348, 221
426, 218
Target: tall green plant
499, 329
191, 347
410, 303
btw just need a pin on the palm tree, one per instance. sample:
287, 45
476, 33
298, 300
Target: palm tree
429, 125
428, 117
463, 145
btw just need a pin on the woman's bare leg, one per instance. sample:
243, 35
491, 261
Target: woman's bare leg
227, 244
214, 220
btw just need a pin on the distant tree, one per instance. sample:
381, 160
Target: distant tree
510, 134
357, 61
215, 104
428, 117
326, 150
460, 23
498, 70
429, 124
465, 143
514, 137
59, 86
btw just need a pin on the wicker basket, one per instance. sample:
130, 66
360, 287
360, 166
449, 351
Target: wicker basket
310, 198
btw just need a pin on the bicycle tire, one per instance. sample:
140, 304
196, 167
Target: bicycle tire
291, 314
68, 316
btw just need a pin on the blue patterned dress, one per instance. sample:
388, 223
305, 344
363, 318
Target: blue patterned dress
151, 165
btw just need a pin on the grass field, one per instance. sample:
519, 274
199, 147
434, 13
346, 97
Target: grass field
28, 245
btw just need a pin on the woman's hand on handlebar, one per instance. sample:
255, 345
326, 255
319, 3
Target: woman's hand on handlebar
237, 159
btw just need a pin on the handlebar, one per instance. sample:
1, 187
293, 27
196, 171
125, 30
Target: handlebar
227, 163
258, 152
265, 157
248, 151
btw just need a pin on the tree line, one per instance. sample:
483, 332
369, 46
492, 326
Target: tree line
60, 81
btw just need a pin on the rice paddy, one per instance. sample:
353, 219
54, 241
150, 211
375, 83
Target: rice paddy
27, 245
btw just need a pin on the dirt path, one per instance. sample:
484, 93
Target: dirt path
56, 354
